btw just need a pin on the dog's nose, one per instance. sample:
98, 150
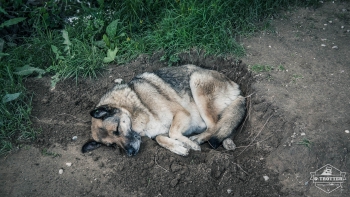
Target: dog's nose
137, 136
131, 152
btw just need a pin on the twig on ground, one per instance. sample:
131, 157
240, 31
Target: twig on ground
251, 144
222, 177
249, 109
240, 168
155, 161
256, 135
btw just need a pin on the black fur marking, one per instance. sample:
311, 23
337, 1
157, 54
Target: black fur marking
90, 146
103, 112
214, 142
177, 77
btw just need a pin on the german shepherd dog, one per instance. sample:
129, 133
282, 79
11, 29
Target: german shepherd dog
179, 107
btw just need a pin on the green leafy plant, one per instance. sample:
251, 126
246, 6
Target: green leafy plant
12, 21
305, 142
15, 106
296, 77
28, 70
261, 68
7, 23
114, 32
74, 58
10, 97
46, 152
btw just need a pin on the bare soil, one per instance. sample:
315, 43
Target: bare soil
304, 98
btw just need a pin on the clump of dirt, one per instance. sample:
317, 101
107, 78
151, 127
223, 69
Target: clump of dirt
297, 114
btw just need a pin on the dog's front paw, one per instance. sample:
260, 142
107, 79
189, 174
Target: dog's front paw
197, 139
194, 146
180, 150
228, 144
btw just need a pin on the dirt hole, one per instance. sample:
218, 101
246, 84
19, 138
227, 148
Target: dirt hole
64, 112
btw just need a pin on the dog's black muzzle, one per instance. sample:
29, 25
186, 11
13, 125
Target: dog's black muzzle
134, 144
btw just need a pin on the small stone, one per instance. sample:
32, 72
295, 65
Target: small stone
229, 191
334, 47
74, 138
325, 24
302, 134
306, 183
119, 81
69, 164
60, 171
323, 45
175, 167
174, 182
342, 26
266, 178
45, 100
347, 131
330, 21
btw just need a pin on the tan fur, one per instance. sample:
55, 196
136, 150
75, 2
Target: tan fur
170, 105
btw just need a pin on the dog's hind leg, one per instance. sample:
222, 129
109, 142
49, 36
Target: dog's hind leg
219, 104
230, 119
173, 145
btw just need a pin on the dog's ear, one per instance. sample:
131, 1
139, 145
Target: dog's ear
90, 146
103, 112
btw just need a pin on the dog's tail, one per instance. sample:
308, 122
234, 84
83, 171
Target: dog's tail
231, 118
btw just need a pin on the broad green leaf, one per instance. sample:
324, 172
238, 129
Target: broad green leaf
111, 29
110, 55
66, 40
3, 54
12, 21
57, 52
100, 44
54, 49
10, 97
3, 11
54, 80
28, 70
106, 40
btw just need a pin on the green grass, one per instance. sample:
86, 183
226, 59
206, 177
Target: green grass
114, 32
296, 77
305, 142
46, 152
15, 124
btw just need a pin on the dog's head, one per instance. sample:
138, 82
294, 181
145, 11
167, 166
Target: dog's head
112, 126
